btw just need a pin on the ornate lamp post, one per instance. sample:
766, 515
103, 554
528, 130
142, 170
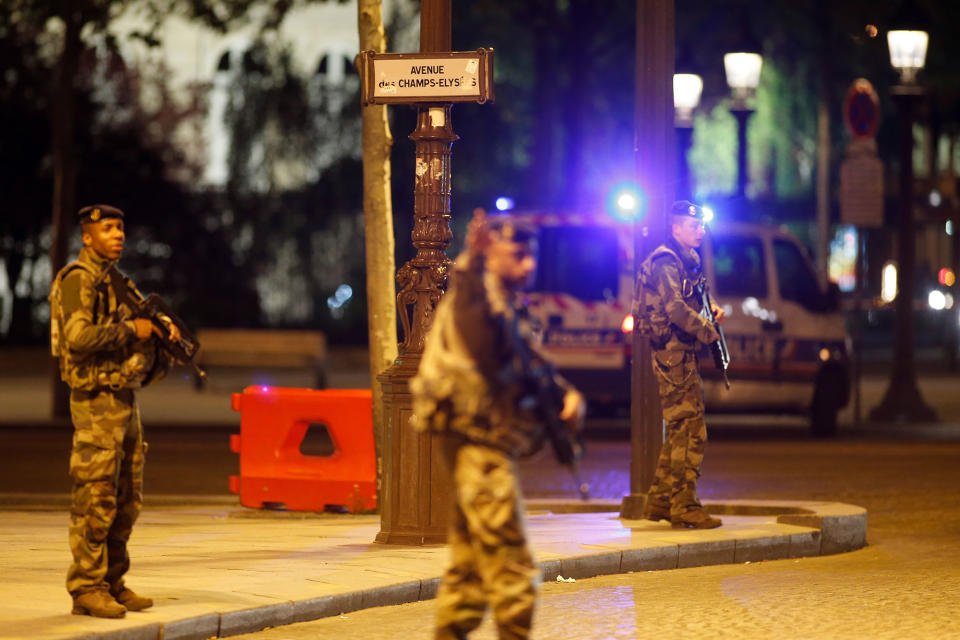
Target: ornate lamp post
742, 69
687, 88
902, 401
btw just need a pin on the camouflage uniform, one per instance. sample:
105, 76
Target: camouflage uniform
459, 391
670, 274
102, 362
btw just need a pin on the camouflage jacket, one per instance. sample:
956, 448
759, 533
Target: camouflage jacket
463, 384
96, 345
670, 276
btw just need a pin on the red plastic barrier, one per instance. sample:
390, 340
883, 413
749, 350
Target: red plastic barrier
274, 471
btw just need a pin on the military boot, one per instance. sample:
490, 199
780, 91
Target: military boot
695, 518
132, 601
97, 603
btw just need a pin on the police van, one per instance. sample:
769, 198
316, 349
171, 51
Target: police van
787, 338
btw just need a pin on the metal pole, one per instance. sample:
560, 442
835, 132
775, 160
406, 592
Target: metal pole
742, 115
902, 400
653, 153
417, 498
684, 190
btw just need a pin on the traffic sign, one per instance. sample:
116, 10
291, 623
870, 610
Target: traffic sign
861, 109
397, 78
861, 185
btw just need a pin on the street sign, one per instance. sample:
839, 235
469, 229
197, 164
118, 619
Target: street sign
398, 78
861, 109
861, 185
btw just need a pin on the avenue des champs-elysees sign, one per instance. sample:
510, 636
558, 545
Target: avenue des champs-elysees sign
396, 78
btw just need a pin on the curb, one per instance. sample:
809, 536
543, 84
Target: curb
831, 528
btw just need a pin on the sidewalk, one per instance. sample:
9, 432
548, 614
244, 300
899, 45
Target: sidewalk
216, 569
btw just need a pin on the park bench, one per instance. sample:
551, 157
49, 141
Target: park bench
264, 348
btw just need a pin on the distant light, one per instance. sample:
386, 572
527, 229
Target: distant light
343, 293
626, 202
888, 283
946, 277
503, 203
935, 198
949, 300
948, 227
264, 388
627, 325
708, 214
937, 300
824, 354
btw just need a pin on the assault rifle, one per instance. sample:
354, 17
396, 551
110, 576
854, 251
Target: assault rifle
541, 396
718, 348
154, 309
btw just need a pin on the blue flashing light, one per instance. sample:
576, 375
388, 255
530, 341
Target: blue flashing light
708, 214
503, 203
626, 202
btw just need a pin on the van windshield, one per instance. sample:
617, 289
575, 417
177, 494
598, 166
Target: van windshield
738, 266
579, 261
798, 283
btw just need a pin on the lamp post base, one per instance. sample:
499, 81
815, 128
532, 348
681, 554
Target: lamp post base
633, 506
903, 403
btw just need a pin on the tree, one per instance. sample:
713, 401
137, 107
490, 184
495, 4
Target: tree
378, 214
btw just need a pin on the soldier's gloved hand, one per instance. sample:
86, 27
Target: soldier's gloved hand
478, 233
144, 328
174, 331
718, 313
574, 410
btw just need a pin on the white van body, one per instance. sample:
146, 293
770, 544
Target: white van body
787, 339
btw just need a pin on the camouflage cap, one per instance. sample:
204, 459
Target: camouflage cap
97, 212
512, 230
687, 209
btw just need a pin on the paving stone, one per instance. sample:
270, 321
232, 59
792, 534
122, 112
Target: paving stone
804, 544
757, 549
326, 606
701, 554
198, 628
597, 564
390, 595
255, 619
145, 632
650, 559
428, 588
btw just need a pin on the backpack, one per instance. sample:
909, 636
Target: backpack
55, 297
649, 313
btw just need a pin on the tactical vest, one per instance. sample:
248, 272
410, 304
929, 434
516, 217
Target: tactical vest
649, 311
130, 367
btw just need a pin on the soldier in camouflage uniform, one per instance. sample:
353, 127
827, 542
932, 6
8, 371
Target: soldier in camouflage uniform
103, 358
461, 391
668, 310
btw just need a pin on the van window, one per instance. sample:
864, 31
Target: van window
797, 280
579, 261
738, 266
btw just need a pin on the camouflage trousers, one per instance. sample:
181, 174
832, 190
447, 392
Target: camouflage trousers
106, 465
681, 399
490, 563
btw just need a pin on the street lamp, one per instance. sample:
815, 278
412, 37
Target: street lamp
902, 400
742, 69
908, 52
687, 88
